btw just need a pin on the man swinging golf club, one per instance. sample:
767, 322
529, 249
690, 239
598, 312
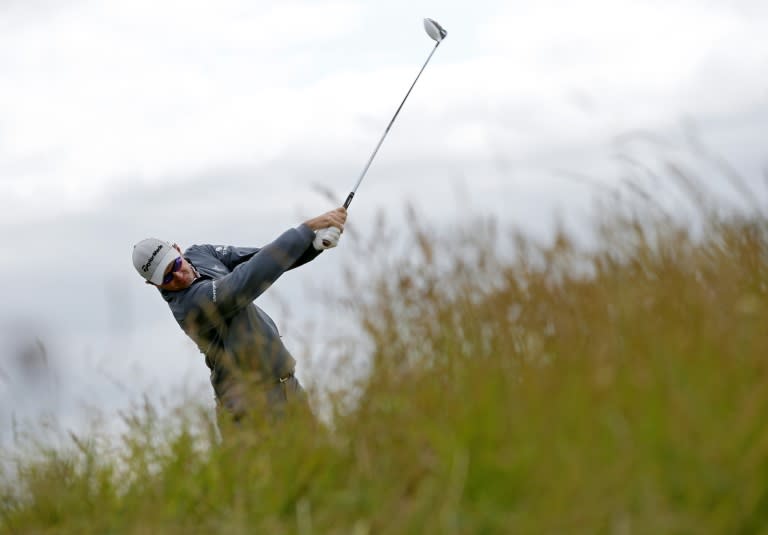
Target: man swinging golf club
210, 290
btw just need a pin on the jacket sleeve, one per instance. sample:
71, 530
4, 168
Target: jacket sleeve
234, 256
252, 276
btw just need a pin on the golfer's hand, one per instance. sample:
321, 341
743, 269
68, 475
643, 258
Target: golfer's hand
328, 227
334, 218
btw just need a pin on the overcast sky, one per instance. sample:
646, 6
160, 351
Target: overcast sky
217, 121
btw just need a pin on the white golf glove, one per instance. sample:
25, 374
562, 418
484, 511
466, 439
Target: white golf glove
327, 238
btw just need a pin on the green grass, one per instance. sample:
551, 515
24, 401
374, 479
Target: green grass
553, 390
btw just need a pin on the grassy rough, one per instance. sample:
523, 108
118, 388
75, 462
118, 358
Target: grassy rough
554, 390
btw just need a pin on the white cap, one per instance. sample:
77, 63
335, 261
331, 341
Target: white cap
151, 257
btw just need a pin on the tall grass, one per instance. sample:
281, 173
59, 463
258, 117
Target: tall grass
515, 387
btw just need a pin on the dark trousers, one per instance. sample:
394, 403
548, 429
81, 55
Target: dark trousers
246, 408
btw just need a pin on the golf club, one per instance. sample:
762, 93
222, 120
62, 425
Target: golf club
436, 33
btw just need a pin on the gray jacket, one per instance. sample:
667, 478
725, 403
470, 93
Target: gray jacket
239, 340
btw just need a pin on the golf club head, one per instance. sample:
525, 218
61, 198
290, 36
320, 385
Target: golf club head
434, 30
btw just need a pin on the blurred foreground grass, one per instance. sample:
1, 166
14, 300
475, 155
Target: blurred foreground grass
515, 388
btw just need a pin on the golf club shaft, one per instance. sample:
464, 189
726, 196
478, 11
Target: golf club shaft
389, 126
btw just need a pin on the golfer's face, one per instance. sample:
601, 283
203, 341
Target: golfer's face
178, 273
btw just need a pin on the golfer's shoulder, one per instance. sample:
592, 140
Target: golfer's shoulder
199, 295
192, 307
201, 250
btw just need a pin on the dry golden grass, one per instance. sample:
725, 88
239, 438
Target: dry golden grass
515, 388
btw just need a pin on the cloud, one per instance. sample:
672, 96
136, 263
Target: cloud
636, 60
155, 92
149, 89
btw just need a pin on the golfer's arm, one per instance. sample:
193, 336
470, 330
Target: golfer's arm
234, 256
309, 254
251, 278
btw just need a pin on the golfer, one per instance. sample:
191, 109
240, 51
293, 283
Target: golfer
210, 290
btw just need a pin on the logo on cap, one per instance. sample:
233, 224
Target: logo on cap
145, 267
